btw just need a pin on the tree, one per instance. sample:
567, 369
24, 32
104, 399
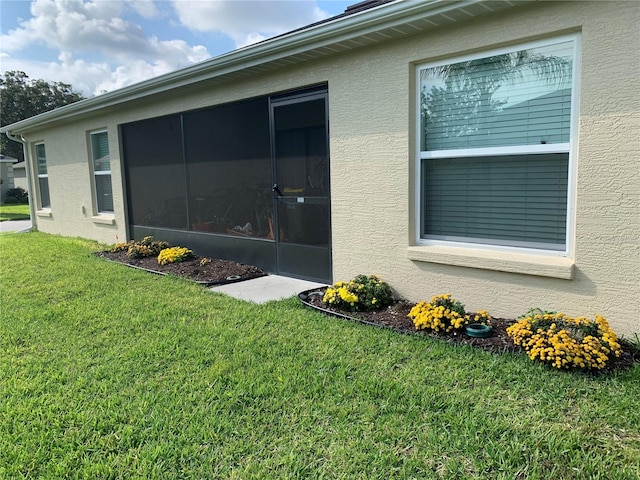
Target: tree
23, 98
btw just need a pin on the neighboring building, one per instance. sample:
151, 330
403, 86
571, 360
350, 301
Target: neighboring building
20, 176
484, 148
6, 175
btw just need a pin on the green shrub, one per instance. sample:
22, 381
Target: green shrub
11, 201
20, 194
361, 293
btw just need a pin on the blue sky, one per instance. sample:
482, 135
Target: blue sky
100, 45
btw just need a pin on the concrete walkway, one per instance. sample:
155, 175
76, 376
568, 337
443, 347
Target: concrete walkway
266, 289
15, 226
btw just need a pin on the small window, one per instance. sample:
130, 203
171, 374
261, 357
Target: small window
495, 145
102, 172
43, 177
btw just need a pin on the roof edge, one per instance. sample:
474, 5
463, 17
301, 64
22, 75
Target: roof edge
316, 35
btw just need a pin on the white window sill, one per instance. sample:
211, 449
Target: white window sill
104, 219
46, 213
528, 264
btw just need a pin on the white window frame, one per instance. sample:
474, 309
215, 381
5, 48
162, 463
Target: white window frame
571, 147
41, 175
95, 173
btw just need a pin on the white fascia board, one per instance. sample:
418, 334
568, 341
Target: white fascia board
333, 32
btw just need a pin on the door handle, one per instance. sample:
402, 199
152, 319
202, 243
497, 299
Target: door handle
276, 189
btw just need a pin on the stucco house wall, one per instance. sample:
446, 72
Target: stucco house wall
372, 116
7, 176
374, 216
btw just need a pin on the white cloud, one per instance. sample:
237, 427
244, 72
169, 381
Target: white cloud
81, 75
131, 73
90, 78
96, 46
75, 25
145, 8
247, 21
122, 53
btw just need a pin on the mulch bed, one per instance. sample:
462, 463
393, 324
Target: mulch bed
215, 272
395, 317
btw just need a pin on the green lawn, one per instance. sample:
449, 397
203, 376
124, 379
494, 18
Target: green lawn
110, 372
14, 212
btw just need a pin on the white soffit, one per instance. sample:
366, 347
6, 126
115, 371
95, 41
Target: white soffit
386, 22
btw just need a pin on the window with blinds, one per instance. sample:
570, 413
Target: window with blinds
495, 144
43, 176
101, 172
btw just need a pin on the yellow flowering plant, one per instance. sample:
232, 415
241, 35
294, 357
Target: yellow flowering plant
147, 247
156, 246
565, 342
174, 254
361, 293
120, 247
138, 250
481, 316
441, 314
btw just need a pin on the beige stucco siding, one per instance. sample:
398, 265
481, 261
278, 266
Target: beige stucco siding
373, 165
70, 176
372, 216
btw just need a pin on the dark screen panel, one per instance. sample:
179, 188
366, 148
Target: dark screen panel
156, 182
229, 169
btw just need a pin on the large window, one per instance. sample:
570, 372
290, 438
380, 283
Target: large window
102, 171
43, 176
495, 142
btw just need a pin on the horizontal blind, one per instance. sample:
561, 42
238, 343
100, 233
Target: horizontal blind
518, 98
509, 200
100, 149
43, 187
